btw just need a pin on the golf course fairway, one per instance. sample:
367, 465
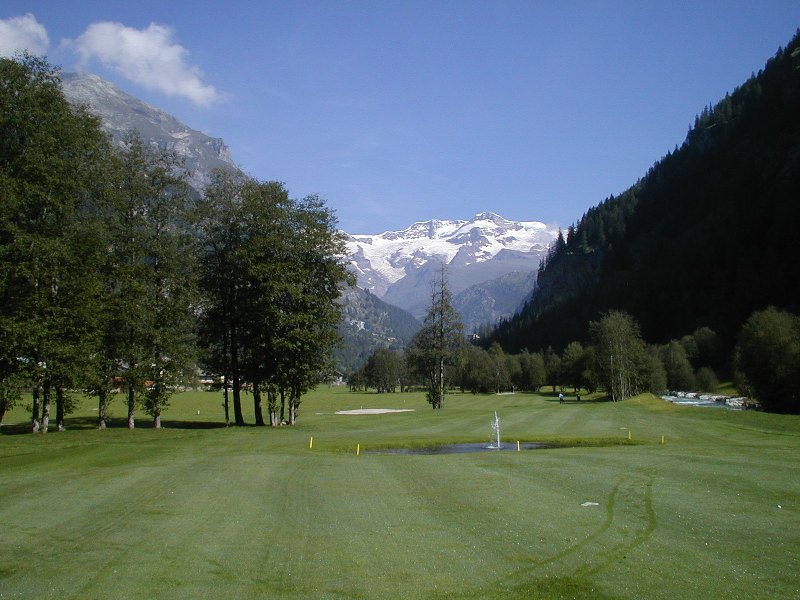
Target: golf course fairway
641, 499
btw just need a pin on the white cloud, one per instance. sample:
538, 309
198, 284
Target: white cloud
148, 57
23, 33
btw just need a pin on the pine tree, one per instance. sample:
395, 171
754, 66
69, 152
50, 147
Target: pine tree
436, 344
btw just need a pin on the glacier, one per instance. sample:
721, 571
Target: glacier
380, 261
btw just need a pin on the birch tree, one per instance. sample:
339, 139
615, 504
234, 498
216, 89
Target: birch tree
620, 355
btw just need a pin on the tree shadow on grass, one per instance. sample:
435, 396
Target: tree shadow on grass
89, 423
572, 398
16, 429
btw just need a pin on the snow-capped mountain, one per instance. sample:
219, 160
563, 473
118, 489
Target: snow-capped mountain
490, 260
398, 266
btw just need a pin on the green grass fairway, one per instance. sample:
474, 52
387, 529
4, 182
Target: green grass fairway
198, 510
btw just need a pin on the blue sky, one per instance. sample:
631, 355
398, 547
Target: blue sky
402, 111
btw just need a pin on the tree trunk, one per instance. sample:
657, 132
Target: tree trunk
225, 402
283, 405
102, 405
35, 410
272, 406
441, 383
60, 409
45, 408
294, 403
237, 401
157, 420
131, 406
259, 415
237, 384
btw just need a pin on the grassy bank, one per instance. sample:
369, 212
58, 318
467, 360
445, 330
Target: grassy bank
198, 510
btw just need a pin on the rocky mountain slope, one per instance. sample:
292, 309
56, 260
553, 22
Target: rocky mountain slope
488, 302
120, 113
368, 322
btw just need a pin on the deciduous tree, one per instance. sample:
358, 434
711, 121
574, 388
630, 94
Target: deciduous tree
767, 359
272, 271
152, 276
573, 364
534, 375
383, 370
52, 163
621, 356
224, 283
680, 375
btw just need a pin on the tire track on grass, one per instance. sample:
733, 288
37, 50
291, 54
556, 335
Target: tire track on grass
639, 537
630, 522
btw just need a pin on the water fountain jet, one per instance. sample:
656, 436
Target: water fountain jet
496, 445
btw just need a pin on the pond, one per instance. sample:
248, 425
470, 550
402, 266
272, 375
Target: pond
463, 448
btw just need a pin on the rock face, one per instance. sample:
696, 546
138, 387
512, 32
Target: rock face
488, 252
121, 113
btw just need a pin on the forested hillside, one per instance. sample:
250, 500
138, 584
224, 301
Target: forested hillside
368, 324
706, 237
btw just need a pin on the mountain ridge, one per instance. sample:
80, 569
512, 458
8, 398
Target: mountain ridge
398, 266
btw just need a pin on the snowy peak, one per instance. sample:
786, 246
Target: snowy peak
492, 218
423, 229
435, 229
382, 260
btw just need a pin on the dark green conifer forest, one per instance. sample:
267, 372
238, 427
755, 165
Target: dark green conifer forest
705, 238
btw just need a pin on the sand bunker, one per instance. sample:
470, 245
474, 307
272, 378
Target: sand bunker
373, 411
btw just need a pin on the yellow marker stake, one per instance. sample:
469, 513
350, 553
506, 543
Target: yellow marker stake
517, 445
662, 439
358, 449
311, 442
629, 435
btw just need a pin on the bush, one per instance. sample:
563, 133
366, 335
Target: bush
767, 359
706, 379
